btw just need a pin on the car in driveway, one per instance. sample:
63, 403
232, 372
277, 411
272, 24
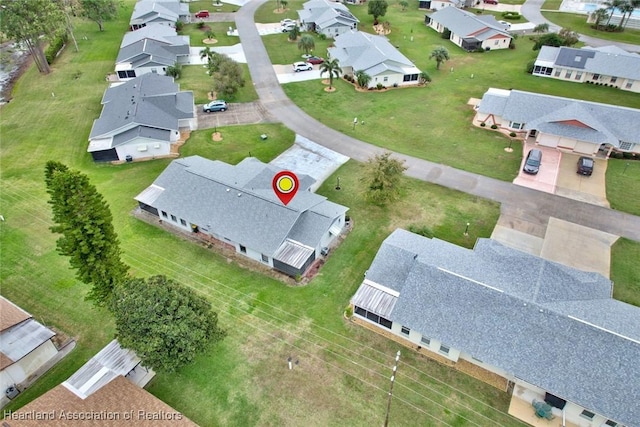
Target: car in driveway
287, 21
490, 1
202, 14
217, 105
315, 60
585, 166
302, 66
288, 27
532, 163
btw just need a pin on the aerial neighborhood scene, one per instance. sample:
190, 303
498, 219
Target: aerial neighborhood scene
320, 213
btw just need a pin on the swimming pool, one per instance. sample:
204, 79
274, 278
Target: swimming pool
591, 7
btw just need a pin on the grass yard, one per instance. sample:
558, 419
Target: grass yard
625, 274
197, 35
623, 185
283, 51
211, 6
551, 5
578, 22
196, 79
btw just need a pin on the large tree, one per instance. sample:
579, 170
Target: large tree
100, 11
440, 54
32, 22
381, 176
377, 8
88, 238
306, 43
565, 37
331, 67
164, 322
228, 76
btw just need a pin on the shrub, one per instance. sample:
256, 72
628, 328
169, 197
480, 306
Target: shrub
179, 25
446, 34
530, 66
348, 312
380, 86
483, 124
322, 36
480, 49
55, 47
494, 126
422, 230
512, 134
200, 25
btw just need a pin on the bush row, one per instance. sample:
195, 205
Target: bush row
55, 47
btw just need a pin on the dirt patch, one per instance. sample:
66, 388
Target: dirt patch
279, 11
216, 136
210, 41
330, 89
379, 29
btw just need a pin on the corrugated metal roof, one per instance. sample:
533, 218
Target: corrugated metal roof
374, 299
293, 253
150, 194
110, 362
22, 339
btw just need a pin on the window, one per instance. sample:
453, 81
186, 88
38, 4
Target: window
578, 75
629, 84
595, 77
164, 214
173, 218
154, 71
131, 73
385, 78
373, 317
243, 249
627, 146
567, 75
183, 222
611, 423
496, 43
265, 258
557, 73
543, 71
587, 414
614, 79
425, 341
405, 331
516, 125
444, 349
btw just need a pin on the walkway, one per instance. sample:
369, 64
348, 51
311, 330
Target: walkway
531, 11
526, 208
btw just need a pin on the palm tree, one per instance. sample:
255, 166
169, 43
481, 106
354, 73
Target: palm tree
425, 77
333, 68
306, 43
362, 78
294, 33
626, 8
612, 5
440, 54
541, 28
600, 15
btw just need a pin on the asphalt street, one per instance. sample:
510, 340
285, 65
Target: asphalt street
529, 209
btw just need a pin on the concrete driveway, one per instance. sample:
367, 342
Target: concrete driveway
589, 189
545, 179
237, 114
286, 74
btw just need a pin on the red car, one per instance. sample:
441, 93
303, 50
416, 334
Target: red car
202, 14
315, 60
491, 1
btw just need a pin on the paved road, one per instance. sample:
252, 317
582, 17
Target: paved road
531, 11
526, 209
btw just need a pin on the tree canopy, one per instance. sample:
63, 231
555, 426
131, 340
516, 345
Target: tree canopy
331, 67
228, 76
88, 238
26, 21
382, 176
100, 11
306, 43
377, 8
164, 322
565, 37
440, 54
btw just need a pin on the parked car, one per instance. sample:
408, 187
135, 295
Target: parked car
287, 21
288, 27
505, 23
302, 66
532, 163
585, 165
202, 14
491, 1
315, 60
217, 105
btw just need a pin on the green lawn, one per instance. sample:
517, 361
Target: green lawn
197, 35
195, 78
551, 5
623, 185
625, 274
211, 6
578, 22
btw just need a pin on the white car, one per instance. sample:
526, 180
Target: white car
288, 27
287, 21
302, 66
506, 24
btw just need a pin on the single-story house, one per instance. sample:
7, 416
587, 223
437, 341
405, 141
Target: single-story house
470, 32
373, 54
25, 347
163, 12
571, 124
441, 4
151, 56
236, 205
141, 118
554, 332
107, 390
607, 66
326, 17
161, 33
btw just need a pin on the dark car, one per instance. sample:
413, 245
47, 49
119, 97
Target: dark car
532, 163
202, 14
315, 60
491, 1
585, 166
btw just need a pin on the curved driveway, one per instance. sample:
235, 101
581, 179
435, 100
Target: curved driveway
524, 207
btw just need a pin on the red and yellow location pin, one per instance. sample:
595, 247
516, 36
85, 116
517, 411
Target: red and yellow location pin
285, 185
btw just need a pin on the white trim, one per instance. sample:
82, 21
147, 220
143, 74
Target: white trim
603, 329
471, 280
381, 288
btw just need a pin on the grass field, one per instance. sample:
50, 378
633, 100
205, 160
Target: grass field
197, 35
623, 182
578, 22
625, 274
196, 79
551, 5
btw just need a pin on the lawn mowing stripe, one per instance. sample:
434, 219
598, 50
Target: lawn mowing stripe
145, 261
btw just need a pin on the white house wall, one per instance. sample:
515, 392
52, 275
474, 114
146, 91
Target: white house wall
434, 346
142, 148
192, 123
572, 411
28, 365
493, 44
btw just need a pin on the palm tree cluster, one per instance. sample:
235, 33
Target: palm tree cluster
625, 7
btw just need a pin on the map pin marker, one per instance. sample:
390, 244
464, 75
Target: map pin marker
285, 185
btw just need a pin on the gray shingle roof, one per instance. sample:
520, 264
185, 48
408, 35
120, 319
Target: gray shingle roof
326, 14
547, 324
238, 202
161, 33
608, 60
150, 100
154, 11
149, 51
608, 123
468, 25
370, 53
